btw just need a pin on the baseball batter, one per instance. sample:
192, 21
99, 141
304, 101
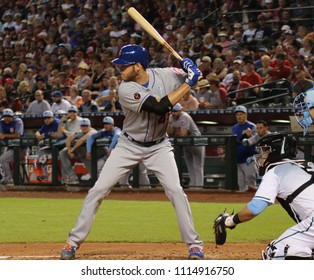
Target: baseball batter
147, 96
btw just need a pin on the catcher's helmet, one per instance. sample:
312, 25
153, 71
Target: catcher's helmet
302, 104
131, 54
273, 148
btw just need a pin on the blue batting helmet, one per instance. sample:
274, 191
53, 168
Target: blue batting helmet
131, 54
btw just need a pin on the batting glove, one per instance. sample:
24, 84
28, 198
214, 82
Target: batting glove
186, 63
193, 75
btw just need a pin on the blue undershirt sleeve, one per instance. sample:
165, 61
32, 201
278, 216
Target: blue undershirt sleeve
257, 206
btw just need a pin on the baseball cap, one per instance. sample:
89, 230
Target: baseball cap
47, 114
222, 34
83, 65
285, 27
108, 120
203, 83
237, 25
7, 112
177, 107
72, 108
57, 93
237, 60
206, 59
85, 122
240, 108
29, 55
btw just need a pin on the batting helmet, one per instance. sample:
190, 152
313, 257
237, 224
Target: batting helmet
302, 104
273, 148
131, 54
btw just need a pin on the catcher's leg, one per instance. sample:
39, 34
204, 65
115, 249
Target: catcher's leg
295, 243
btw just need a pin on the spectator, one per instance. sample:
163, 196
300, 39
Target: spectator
74, 98
302, 84
189, 101
219, 68
247, 172
89, 104
41, 83
108, 98
39, 105
59, 104
237, 65
248, 35
205, 65
264, 31
83, 80
70, 123
307, 49
76, 151
281, 71
10, 128
158, 61
265, 69
224, 42
235, 89
98, 73
48, 130
3, 99
250, 75
203, 92
182, 124
217, 94
24, 93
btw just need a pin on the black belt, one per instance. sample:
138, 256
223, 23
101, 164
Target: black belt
144, 144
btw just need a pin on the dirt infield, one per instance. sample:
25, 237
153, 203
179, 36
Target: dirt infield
133, 251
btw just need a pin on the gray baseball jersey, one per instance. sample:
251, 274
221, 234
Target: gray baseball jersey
142, 126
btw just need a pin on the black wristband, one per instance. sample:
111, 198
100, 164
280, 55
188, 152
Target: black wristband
236, 219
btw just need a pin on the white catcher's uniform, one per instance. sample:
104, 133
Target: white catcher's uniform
281, 181
157, 155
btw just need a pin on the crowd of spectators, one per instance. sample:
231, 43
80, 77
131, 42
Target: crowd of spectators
62, 49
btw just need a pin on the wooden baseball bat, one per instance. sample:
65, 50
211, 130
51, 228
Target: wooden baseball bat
133, 13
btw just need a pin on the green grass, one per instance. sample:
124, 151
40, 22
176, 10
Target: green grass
24, 220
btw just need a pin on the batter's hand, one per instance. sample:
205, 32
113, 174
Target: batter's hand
186, 63
193, 75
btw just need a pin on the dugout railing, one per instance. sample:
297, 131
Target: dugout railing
27, 167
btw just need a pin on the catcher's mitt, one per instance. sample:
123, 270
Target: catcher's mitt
220, 228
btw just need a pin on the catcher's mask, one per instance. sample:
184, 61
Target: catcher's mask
273, 148
302, 104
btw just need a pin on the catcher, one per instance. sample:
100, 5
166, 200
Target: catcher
292, 183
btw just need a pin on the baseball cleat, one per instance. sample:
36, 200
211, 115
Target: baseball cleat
196, 253
68, 252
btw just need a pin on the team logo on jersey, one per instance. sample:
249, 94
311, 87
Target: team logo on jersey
137, 96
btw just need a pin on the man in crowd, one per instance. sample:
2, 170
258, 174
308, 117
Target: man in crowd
39, 105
